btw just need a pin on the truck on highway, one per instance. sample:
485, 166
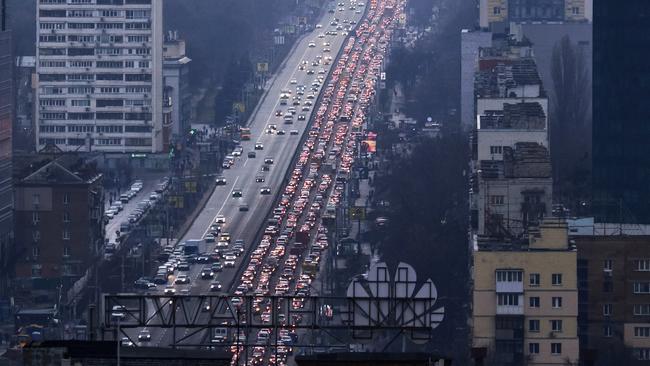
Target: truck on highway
245, 133
298, 248
191, 246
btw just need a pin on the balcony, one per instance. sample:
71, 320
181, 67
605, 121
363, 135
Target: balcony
511, 309
510, 287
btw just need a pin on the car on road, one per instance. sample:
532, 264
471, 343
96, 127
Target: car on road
265, 168
207, 273
209, 238
301, 117
310, 72
144, 336
220, 180
216, 267
169, 290
237, 192
293, 132
215, 286
220, 219
126, 342
259, 179
183, 266
265, 190
283, 132
278, 113
182, 279
229, 260
251, 154
293, 81
259, 146
243, 207
144, 284
312, 44
268, 160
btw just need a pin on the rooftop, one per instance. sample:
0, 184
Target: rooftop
526, 160
517, 116
551, 235
497, 78
65, 169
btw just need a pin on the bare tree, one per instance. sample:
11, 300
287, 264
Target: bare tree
570, 130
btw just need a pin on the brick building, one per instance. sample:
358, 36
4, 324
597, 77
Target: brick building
59, 226
614, 300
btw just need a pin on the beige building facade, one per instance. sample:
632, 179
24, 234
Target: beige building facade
525, 299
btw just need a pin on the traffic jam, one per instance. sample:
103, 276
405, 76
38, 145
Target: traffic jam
290, 253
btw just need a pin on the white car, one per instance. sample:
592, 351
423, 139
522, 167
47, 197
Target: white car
220, 219
229, 260
294, 81
312, 44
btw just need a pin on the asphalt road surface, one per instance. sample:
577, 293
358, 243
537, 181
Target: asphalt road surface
245, 225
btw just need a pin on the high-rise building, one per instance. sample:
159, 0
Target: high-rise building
504, 11
471, 42
6, 123
621, 153
525, 299
176, 74
614, 288
99, 68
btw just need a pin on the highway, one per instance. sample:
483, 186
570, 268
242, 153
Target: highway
245, 225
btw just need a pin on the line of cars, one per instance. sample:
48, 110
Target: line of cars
288, 256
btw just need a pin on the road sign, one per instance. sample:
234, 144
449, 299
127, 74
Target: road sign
262, 67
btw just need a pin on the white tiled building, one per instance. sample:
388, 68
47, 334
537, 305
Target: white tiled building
99, 66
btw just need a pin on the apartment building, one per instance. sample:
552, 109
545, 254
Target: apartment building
501, 12
6, 129
614, 301
99, 76
525, 298
59, 225
511, 177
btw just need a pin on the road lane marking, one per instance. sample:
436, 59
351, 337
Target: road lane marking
234, 185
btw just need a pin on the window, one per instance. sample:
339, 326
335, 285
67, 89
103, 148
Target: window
533, 325
36, 235
556, 325
81, 51
66, 216
496, 10
109, 129
641, 309
80, 64
497, 199
533, 302
607, 331
36, 270
608, 264
556, 302
66, 198
35, 252
52, 102
80, 103
642, 287
109, 90
535, 279
496, 149
508, 299
642, 353
143, 64
556, 348
642, 332
105, 142
608, 285
36, 217
81, 77
76, 142
533, 348
66, 234
556, 279
575, 10
66, 251
36, 200
81, 128
642, 265
607, 309
81, 90
509, 275
138, 14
